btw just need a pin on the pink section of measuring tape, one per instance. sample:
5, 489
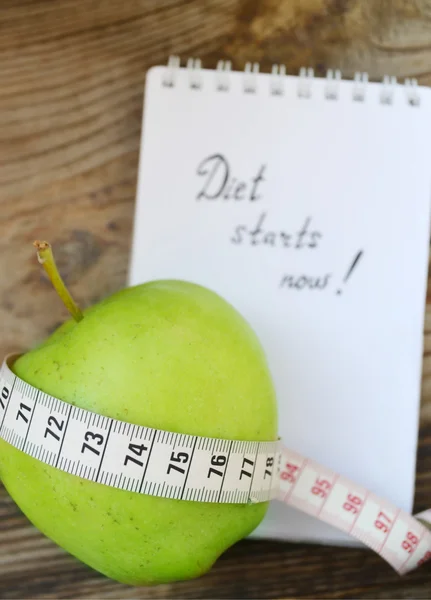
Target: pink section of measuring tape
401, 539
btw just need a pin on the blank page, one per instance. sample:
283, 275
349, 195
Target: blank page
311, 216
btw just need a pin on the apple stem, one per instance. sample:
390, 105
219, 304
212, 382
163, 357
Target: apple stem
46, 259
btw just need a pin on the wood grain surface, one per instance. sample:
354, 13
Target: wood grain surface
72, 78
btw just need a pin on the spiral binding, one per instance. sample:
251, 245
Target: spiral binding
223, 80
359, 87
277, 81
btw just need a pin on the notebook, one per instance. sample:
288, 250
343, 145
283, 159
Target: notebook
304, 201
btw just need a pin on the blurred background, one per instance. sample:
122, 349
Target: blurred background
71, 98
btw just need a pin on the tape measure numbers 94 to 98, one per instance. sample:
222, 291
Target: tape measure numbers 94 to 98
186, 467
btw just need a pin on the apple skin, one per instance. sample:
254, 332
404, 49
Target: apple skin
165, 354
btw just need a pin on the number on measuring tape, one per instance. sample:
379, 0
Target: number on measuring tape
4, 396
410, 542
269, 466
292, 465
217, 461
56, 426
179, 457
321, 487
19, 414
126, 456
353, 504
84, 443
383, 522
23, 412
246, 468
94, 440
136, 449
289, 473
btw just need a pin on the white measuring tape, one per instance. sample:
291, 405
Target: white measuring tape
187, 467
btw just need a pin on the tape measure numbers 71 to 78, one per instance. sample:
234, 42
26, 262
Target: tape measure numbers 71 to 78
187, 467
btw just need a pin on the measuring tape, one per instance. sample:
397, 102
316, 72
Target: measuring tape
186, 467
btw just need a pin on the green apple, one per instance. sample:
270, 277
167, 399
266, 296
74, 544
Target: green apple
165, 354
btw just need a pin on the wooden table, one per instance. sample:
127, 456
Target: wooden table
72, 76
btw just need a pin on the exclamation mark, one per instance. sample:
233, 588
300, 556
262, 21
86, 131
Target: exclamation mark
352, 266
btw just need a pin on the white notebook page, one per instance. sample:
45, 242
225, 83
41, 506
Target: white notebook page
269, 200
